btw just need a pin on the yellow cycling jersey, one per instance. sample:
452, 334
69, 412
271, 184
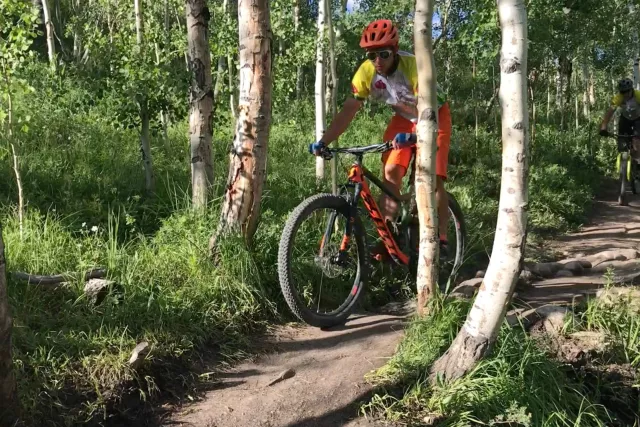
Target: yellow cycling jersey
399, 90
629, 109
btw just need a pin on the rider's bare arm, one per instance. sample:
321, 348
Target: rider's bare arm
342, 120
607, 117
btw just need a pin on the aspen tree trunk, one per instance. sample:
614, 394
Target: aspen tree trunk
333, 92
219, 77
479, 331
592, 90
145, 118
164, 114
533, 116
200, 100
9, 404
320, 86
586, 107
232, 88
559, 86
427, 133
139, 23
221, 64
145, 146
77, 39
575, 100
548, 75
248, 158
233, 13
51, 46
296, 28
16, 168
473, 97
636, 49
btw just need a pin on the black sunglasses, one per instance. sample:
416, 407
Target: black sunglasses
383, 54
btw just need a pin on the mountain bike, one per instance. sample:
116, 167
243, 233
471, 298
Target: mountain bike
627, 169
323, 262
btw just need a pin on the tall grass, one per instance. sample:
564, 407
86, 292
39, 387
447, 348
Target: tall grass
517, 385
84, 186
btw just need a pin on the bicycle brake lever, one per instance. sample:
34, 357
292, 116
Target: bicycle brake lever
326, 154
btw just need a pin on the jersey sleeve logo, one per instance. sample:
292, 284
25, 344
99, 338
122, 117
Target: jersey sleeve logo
380, 85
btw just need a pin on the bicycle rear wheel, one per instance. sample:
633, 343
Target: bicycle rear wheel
322, 271
456, 236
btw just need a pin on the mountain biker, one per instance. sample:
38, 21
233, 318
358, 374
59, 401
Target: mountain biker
391, 76
628, 100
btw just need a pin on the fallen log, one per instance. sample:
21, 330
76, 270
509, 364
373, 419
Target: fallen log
56, 279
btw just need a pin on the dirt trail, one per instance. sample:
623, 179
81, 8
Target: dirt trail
330, 365
613, 230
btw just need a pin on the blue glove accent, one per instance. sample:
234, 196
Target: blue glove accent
405, 138
316, 147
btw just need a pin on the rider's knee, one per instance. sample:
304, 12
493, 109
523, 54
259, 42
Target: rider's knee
394, 173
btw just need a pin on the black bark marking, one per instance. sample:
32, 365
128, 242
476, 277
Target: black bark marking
518, 126
510, 65
428, 114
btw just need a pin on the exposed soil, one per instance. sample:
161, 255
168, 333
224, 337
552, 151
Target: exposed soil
327, 384
329, 366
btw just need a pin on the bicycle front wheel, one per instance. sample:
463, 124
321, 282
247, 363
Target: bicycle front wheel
322, 269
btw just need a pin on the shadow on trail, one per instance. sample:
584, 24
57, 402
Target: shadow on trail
339, 416
340, 337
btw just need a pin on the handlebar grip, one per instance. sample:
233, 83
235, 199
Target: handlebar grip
326, 154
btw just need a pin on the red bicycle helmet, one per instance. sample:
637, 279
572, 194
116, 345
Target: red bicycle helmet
380, 33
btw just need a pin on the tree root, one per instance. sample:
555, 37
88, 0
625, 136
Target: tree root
460, 358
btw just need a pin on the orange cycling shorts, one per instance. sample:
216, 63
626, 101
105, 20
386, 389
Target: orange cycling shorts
402, 157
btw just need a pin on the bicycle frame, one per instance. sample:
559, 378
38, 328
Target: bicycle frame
357, 175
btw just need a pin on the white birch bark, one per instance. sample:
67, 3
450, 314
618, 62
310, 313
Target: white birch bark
333, 92
636, 48
320, 86
145, 118
200, 100
481, 328
427, 133
51, 46
296, 29
139, 23
248, 158
586, 104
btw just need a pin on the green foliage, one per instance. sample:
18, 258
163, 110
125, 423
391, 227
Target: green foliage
18, 23
516, 384
86, 205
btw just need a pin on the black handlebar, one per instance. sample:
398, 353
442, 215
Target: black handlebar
328, 153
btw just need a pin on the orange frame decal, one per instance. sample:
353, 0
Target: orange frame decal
356, 176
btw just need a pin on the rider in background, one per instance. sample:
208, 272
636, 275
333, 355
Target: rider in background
391, 76
628, 100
